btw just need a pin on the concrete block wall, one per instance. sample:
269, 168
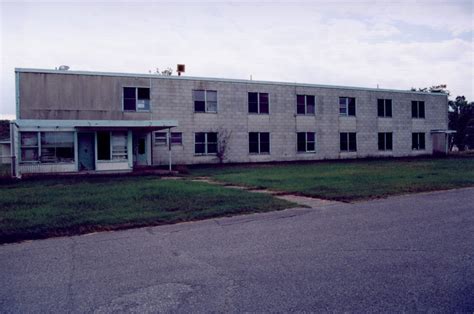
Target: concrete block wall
172, 99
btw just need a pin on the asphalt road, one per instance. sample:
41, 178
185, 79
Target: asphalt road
408, 253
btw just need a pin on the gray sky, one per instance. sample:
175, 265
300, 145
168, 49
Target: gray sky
396, 44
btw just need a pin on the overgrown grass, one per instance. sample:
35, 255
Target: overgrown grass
350, 180
39, 208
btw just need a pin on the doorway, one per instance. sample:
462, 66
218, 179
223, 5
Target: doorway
86, 151
140, 149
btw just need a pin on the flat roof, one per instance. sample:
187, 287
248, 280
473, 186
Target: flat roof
213, 79
30, 123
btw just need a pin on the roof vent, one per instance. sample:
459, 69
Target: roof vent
63, 68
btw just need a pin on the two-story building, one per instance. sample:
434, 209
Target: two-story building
74, 121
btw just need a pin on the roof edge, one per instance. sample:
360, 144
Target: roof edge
215, 79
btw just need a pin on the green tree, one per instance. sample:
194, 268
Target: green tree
461, 119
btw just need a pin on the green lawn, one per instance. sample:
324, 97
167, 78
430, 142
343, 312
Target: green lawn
38, 208
350, 180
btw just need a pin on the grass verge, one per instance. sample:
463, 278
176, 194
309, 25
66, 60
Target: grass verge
40, 208
350, 180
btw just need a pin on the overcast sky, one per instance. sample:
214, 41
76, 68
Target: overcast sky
395, 44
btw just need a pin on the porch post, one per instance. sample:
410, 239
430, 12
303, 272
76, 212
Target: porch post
169, 149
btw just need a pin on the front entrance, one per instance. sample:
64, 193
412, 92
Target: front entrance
86, 151
140, 149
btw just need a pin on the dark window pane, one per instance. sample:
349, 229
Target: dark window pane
414, 141
422, 140
352, 142
310, 100
212, 148
265, 137
200, 137
129, 104
343, 141
380, 108
263, 98
342, 100
388, 108
264, 107
212, 137
103, 145
199, 106
253, 137
253, 97
264, 147
389, 141
301, 141
414, 109
381, 141
421, 109
253, 107
129, 92
352, 107
143, 93
300, 109
199, 148
253, 147
311, 147
176, 138
310, 109
310, 136
300, 99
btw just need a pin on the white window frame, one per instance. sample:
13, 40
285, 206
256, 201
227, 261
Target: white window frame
206, 105
306, 143
136, 99
258, 102
418, 103
259, 143
206, 143
419, 134
385, 134
167, 139
384, 115
348, 142
346, 106
306, 105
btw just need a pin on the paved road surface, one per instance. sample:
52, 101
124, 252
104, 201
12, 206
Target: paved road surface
408, 253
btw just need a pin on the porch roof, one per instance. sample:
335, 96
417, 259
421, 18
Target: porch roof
97, 124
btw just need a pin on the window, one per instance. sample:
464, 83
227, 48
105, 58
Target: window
136, 99
259, 143
112, 145
258, 103
418, 109
57, 147
385, 141
418, 141
119, 145
205, 143
306, 142
384, 108
47, 147
347, 106
305, 104
205, 100
161, 138
29, 146
348, 142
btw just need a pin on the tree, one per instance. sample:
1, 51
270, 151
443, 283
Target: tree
223, 138
461, 119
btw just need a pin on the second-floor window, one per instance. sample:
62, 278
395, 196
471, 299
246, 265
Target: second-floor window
347, 106
258, 103
136, 99
348, 142
384, 108
305, 104
205, 100
418, 109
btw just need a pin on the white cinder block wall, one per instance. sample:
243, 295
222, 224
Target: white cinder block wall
173, 99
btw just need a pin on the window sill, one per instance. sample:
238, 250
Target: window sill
259, 154
305, 114
258, 114
346, 116
201, 155
347, 151
137, 111
384, 117
212, 112
306, 152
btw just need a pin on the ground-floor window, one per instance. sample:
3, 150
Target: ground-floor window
47, 147
306, 142
385, 141
418, 141
348, 142
161, 138
205, 143
259, 143
112, 145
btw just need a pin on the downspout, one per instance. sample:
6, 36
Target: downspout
169, 150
